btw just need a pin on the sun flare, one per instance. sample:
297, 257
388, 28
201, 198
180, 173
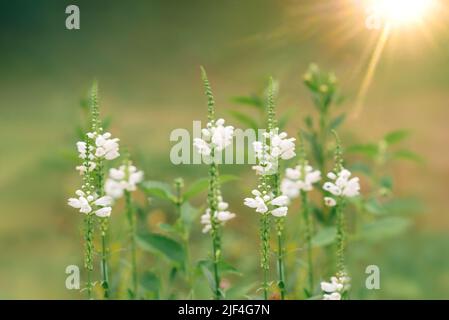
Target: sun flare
399, 12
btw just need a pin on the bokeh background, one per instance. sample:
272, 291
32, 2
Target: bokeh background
146, 57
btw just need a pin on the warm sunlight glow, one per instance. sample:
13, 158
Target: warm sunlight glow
397, 12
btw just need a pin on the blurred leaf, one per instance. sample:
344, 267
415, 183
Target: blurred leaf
223, 267
374, 206
403, 205
158, 190
385, 227
252, 101
396, 136
386, 182
245, 119
408, 155
150, 282
361, 167
208, 275
173, 273
238, 291
158, 243
325, 236
189, 214
202, 184
369, 150
308, 120
167, 228
336, 122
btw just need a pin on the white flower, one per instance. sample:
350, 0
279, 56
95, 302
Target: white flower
104, 212
279, 212
202, 146
256, 203
106, 147
86, 202
126, 177
280, 201
113, 188
332, 296
333, 290
300, 178
104, 201
330, 202
216, 136
103, 148
341, 185
274, 147
222, 216
262, 201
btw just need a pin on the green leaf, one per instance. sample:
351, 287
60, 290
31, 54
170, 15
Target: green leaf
245, 119
252, 101
386, 182
375, 207
408, 155
205, 270
336, 122
223, 267
386, 227
324, 237
150, 282
202, 184
238, 291
403, 206
189, 214
158, 190
167, 228
166, 246
360, 167
396, 136
369, 150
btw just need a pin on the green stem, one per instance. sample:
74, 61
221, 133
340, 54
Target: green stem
308, 238
216, 243
88, 254
132, 236
280, 236
281, 251
265, 241
104, 257
340, 237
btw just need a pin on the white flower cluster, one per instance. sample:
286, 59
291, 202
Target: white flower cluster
87, 202
103, 148
222, 215
334, 290
262, 202
300, 178
126, 177
215, 137
277, 146
341, 186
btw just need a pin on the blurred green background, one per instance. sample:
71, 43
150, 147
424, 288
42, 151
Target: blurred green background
146, 57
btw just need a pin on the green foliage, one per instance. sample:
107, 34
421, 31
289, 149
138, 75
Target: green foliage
160, 244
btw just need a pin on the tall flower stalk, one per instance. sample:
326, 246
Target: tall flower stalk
271, 122
96, 147
214, 139
341, 187
267, 198
99, 174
